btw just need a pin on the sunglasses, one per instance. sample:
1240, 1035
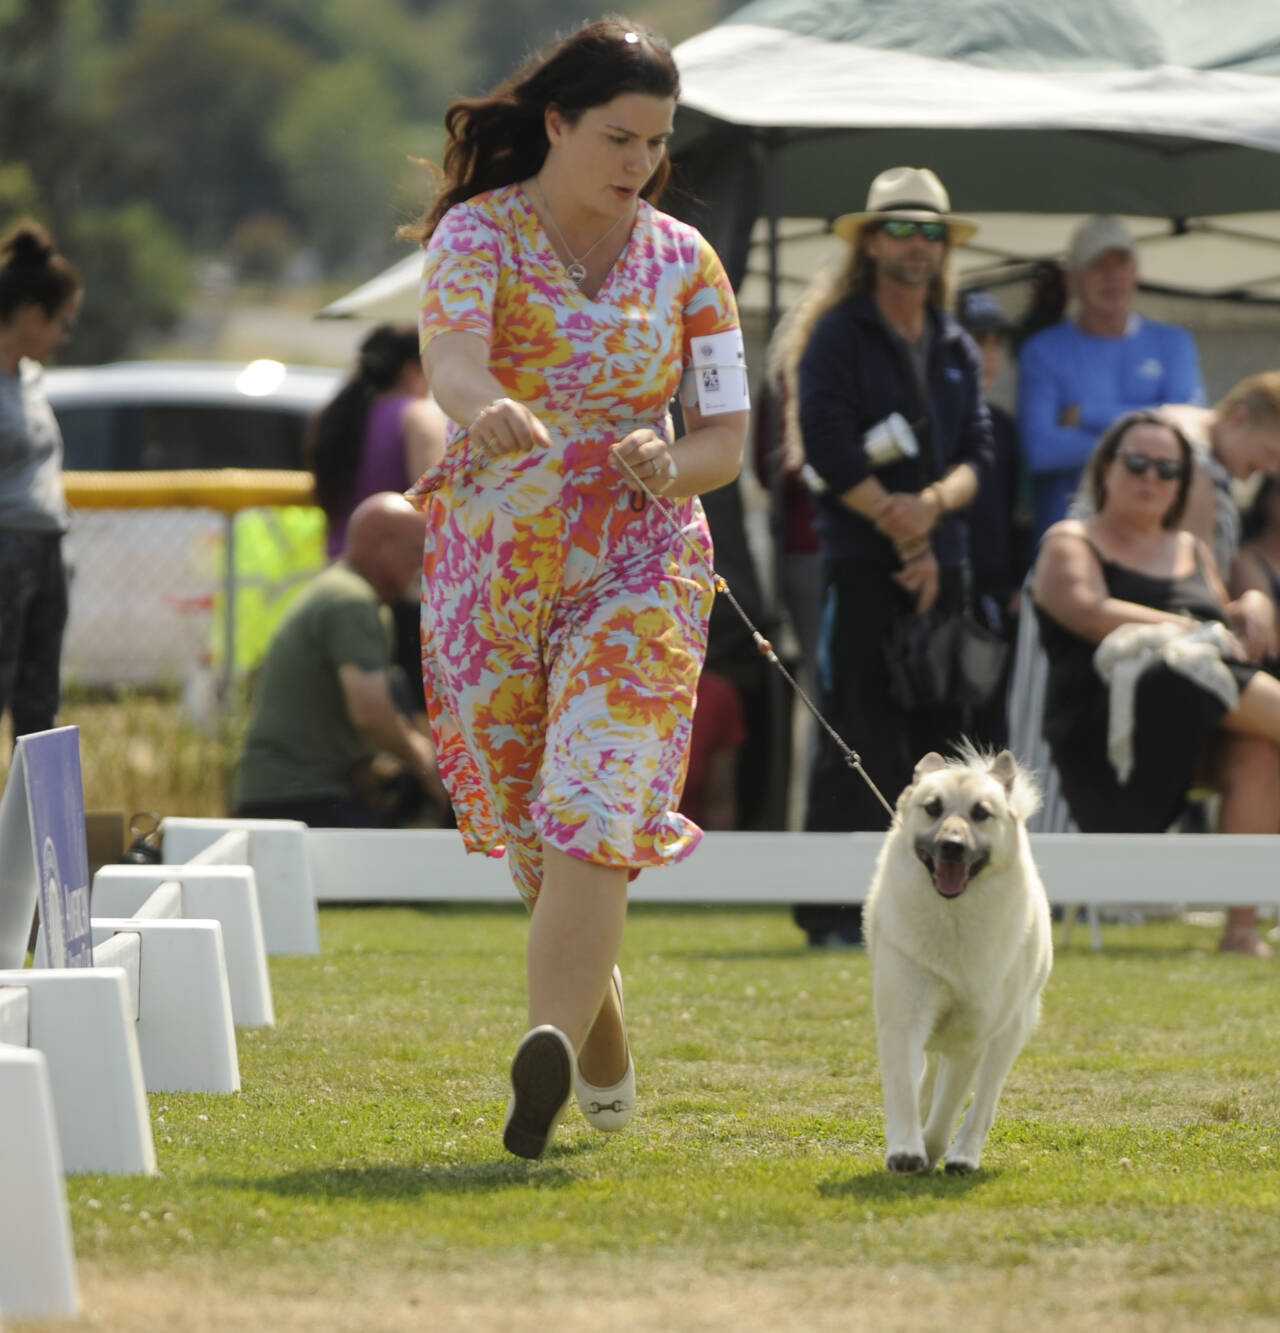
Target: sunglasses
1167, 469
902, 229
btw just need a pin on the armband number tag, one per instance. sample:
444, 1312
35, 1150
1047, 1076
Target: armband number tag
720, 373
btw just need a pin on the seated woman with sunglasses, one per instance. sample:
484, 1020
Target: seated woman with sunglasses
1131, 564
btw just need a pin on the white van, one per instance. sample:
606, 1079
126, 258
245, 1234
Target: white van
139, 416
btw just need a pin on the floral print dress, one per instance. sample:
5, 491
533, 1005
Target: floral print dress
563, 623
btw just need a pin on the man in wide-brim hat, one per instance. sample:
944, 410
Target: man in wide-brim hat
887, 405
904, 203
906, 194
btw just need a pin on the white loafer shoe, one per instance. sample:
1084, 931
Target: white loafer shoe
610, 1108
541, 1080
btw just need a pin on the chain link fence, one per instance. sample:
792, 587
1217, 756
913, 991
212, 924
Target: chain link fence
178, 579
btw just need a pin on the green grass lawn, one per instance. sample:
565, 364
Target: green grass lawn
1132, 1179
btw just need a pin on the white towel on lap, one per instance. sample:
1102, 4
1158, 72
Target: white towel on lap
1122, 657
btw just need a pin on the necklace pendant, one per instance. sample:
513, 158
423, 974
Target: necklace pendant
577, 272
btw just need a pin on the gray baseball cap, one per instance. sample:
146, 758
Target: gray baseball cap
1095, 237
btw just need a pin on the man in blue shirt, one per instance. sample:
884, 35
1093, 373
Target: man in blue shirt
1075, 378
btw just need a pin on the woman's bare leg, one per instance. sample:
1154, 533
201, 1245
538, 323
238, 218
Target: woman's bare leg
603, 1056
1246, 771
1258, 712
574, 938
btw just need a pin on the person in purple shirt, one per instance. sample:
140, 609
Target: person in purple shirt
380, 432
1077, 377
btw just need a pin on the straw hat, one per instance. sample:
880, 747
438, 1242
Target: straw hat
914, 194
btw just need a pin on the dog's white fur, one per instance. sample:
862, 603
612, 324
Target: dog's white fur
957, 980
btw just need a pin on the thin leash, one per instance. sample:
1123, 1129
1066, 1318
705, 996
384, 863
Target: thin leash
763, 646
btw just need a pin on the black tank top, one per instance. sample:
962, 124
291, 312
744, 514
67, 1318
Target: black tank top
1072, 678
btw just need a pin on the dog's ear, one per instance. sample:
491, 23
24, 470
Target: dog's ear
929, 764
1004, 769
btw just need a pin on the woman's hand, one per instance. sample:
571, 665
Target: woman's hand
505, 426
1253, 617
648, 456
920, 576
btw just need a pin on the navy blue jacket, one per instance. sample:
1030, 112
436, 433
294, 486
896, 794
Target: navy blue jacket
851, 376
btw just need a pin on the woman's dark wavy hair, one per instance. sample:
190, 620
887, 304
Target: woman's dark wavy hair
32, 272
502, 138
335, 436
1109, 446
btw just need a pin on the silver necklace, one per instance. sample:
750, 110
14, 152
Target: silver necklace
576, 269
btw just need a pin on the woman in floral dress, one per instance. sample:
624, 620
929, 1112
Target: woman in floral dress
567, 572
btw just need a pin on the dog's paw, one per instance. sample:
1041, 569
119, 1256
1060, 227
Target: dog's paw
907, 1163
960, 1166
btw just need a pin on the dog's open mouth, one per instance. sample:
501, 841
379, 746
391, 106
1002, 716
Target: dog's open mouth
951, 876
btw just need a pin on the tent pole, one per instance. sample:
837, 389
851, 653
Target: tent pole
772, 204
778, 797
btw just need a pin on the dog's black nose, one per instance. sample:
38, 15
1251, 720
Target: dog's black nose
950, 849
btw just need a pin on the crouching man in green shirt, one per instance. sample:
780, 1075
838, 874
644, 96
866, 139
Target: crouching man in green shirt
322, 703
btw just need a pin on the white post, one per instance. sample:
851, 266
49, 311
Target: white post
37, 1258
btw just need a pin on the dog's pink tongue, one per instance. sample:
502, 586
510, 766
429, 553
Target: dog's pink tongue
949, 877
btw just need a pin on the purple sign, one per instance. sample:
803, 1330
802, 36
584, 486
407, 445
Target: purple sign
55, 803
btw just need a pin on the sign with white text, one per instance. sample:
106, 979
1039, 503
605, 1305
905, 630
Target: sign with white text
44, 858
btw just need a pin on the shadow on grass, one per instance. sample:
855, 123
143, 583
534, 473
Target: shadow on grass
375, 1183
882, 1186
781, 954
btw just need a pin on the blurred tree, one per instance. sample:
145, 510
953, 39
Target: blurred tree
136, 280
504, 32
307, 23
61, 163
335, 141
262, 245
18, 194
194, 95
38, 126
249, 125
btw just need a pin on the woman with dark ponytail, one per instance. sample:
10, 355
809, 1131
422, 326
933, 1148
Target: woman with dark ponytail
567, 573
381, 431
39, 299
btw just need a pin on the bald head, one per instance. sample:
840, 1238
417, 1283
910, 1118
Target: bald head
384, 543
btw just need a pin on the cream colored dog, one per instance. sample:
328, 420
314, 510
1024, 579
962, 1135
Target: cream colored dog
958, 932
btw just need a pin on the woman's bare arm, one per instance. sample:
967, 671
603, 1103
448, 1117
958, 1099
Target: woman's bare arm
1069, 586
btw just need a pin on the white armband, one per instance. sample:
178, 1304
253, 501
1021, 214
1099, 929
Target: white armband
718, 377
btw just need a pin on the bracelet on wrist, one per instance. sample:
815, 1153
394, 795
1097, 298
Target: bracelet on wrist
937, 496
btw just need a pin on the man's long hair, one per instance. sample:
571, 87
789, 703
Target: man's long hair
831, 287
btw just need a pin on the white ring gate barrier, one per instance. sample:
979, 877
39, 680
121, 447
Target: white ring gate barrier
81, 1047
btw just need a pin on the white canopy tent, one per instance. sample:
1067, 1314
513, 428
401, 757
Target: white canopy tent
1165, 112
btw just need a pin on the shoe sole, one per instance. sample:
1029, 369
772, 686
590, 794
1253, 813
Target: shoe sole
541, 1080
